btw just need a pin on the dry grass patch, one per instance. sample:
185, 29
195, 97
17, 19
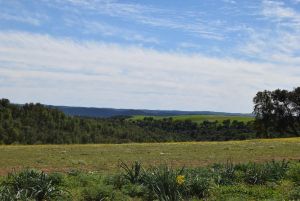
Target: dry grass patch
105, 157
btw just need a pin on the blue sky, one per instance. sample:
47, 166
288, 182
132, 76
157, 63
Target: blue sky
186, 55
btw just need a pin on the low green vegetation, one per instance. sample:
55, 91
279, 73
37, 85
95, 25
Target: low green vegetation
201, 118
273, 180
32, 184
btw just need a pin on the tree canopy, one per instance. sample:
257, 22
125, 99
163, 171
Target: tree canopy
38, 124
277, 112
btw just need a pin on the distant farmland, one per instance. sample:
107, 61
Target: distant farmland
201, 118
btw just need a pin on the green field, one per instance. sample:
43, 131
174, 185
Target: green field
201, 118
105, 157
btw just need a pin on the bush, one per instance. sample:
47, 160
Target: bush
134, 190
276, 170
261, 173
224, 174
295, 193
197, 185
97, 193
165, 183
294, 173
117, 180
255, 174
31, 184
102, 193
132, 173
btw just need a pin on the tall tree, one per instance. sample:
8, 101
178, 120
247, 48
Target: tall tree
277, 112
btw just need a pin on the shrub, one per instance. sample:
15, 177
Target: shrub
197, 186
132, 173
276, 170
31, 184
57, 178
102, 193
117, 180
294, 173
295, 193
261, 173
134, 190
165, 183
97, 193
224, 174
255, 174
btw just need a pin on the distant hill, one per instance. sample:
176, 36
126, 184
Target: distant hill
111, 112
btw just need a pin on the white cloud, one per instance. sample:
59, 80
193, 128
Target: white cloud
278, 11
61, 71
16, 11
189, 45
230, 1
24, 19
97, 27
189, 22
279, 44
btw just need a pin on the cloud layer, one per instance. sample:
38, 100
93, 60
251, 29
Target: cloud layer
189, 55
41, 68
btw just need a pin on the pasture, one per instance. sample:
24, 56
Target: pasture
201, 118
105, 157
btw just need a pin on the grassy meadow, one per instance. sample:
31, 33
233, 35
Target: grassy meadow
105, 157
265, 169
201, 118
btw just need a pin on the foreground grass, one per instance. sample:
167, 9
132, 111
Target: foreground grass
273, 180
201, 118
105, 157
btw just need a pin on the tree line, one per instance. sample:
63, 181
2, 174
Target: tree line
277, 114
37, 124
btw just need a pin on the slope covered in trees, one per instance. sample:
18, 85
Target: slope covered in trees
37, 124
111, 112
277, 114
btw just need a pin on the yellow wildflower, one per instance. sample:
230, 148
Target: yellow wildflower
180, 179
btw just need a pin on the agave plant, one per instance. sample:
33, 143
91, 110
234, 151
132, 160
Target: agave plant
31, 185
132, 173
198, 182
166, 183
276, 169
224, 173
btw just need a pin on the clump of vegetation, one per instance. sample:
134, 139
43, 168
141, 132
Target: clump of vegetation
224, 173
165, 183
134, 173
261, 173
198, 183
32, 184
293, 173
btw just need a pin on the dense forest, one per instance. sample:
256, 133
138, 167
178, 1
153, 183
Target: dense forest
38, 124
277, 115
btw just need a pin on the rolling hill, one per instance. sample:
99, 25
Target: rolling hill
111, 112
